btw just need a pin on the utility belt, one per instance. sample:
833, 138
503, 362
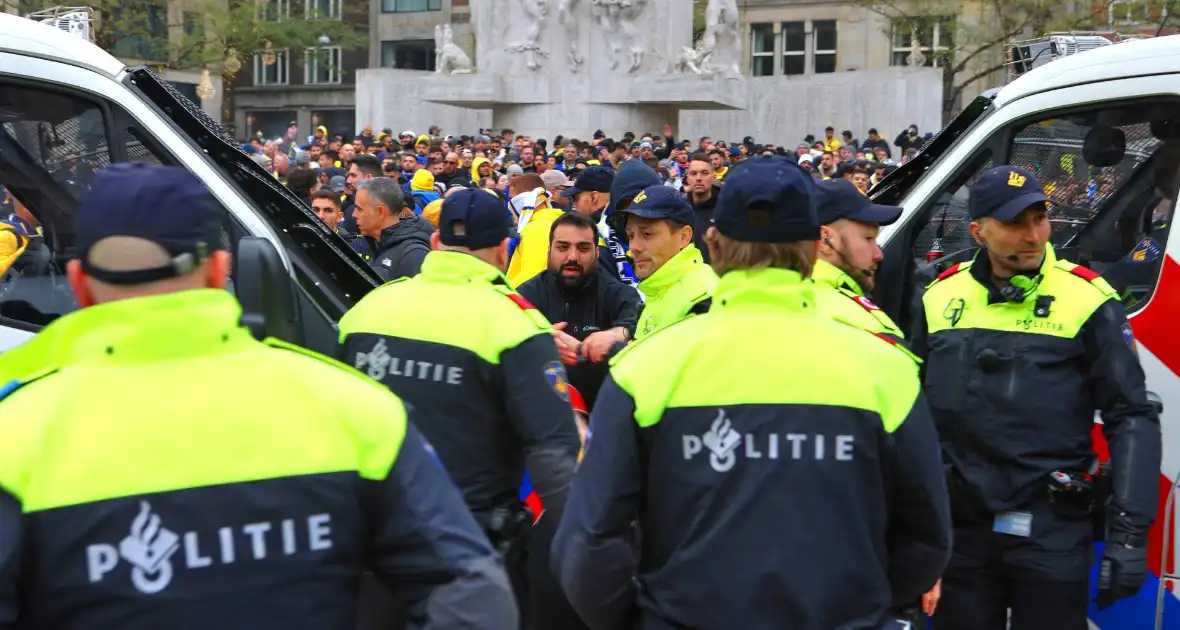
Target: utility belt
1073, 495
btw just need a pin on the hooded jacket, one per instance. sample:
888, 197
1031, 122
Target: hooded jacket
401, 250
422, 190
475, 164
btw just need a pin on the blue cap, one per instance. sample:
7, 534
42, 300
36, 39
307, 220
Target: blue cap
777, 185
661, 202
632, 177
839, 199
1004, 192
165, 205
593, 178
485, 222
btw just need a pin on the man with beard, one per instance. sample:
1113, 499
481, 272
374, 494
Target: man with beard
848, 256
591, 312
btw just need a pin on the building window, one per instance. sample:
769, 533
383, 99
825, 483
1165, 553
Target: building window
277, 73
408, 55
321, 66
273, 10
824, 46
323, 9
794, 47
192, 51
762, 50
410, 6
141, 32
935, 38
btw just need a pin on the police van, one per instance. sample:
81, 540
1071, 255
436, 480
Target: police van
1101, 128
68, 108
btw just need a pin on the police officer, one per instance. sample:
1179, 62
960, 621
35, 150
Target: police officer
846, 264
479, 361
234, 491
673, 277
710, 443
1020, 349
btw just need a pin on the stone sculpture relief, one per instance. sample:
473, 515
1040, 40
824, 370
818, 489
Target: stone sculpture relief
569, 24
535, 12
620, 15
720, 42
693, 60
448, 57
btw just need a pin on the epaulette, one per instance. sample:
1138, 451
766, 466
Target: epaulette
952, 270
12, 386
1089, 275
524, 305
863, 301
279, 344
894, 341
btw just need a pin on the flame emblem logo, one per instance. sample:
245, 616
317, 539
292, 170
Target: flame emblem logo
148, 550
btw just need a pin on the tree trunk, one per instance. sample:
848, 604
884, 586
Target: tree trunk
227, 104
950, 96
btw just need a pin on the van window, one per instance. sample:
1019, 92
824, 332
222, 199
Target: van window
51, 143
1110, 174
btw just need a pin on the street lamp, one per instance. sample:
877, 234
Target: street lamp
324, 40
232, 64
205, 90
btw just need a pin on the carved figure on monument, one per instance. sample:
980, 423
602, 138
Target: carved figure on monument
535, 12
693, 59
451, 59
620, 15
722, 26
438, 48
565, 15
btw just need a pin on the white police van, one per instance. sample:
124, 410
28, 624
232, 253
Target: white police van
1101, 128
67, 108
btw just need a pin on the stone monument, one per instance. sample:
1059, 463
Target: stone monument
546, 67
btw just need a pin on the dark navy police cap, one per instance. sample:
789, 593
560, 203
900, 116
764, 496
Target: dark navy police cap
839, 199
165, 205
485, 221
661, 202
773, 183
594, 178
1003, 193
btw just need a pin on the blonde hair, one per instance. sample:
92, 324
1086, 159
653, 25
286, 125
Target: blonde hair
727, 254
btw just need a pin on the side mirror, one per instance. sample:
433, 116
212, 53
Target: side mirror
265, 291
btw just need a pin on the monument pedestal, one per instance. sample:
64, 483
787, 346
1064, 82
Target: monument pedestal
540, 106
549, 67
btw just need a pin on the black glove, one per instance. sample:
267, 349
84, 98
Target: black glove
1123, 570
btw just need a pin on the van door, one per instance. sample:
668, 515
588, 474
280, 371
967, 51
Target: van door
1108, 155
58, 124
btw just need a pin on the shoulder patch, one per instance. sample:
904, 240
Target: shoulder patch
523, 304
9, 388
556, 376
864, 302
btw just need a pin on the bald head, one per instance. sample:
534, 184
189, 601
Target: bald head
130, 254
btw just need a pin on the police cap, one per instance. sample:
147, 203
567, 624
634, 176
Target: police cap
175, 218
661, 202
594, 178
1004, 192
485, 221
839, 199
784, 195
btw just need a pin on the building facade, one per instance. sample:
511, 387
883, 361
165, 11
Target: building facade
311, 86
167, 26
403, 31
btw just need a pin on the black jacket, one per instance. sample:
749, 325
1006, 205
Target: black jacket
401, 250
601, 303
702, 219
1012, 404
